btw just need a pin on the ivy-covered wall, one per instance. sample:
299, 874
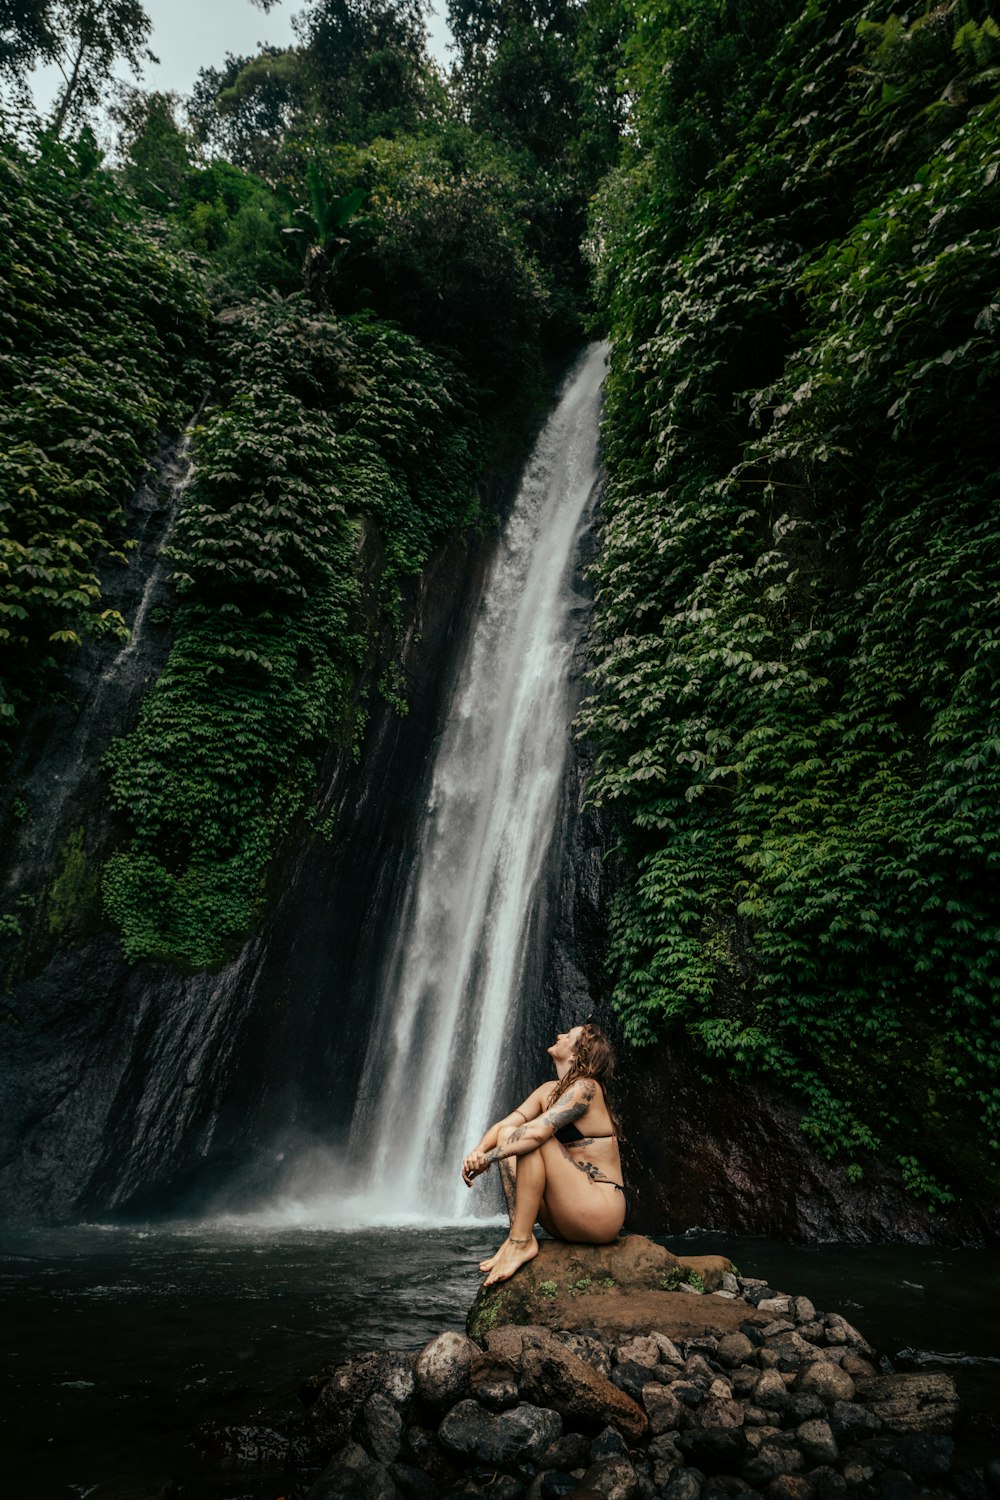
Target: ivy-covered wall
796, 690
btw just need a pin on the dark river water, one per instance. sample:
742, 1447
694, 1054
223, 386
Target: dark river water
118, 1342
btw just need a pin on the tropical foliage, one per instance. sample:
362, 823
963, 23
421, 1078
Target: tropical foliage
796, 688
364, 319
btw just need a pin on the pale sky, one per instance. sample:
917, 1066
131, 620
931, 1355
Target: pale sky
192, 34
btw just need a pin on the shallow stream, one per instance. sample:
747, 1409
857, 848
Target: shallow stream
120, 1341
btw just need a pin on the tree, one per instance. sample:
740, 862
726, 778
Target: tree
87, 39
246, 108
157, 154
24, 35
517, 71
369, 65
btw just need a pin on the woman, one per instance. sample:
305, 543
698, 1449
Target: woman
558, 1156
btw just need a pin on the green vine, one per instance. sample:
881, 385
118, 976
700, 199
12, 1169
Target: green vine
795, 689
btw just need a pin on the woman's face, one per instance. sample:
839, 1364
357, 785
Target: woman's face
563, 1049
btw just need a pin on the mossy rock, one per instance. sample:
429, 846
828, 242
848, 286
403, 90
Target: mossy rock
577, 1286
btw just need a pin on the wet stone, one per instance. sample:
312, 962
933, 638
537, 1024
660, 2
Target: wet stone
614, 1478
668, 1349
725, 1413
588, 1347
640, 1351
381, 1428
688, 1393
803, 1405
757, 1436
857, 1467
630, 1378
352, 1475
607, 1444
413, 1483
733, 1349
771, 1459
827, 1381
443, 1369
924, 1402
789, 1487
839, 1331
685, 1484
770, 1391
828, 1484
571, 1451
497, 1395
662, 1407
502, 1438
850, 1423
817, 1442
714, 1450
857, 1366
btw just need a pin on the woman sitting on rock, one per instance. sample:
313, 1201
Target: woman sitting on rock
558, 1156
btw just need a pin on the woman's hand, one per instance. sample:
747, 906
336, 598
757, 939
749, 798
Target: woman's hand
474, 1164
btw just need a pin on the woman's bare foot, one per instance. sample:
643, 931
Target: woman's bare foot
487, 1265
510, 1258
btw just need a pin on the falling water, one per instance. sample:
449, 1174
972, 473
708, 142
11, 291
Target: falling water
449, 1001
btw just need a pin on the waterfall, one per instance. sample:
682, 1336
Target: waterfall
450, 999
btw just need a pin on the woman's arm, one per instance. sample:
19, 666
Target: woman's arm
529, 1110
534, 1133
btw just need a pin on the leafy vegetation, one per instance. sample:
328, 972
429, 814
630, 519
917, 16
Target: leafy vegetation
361, 294
100, 338
795, 688
328, 428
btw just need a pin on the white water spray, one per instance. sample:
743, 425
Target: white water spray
449, 1001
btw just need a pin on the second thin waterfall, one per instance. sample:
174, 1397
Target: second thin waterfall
449, 1000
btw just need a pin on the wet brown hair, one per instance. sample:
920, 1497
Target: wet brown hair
594, 1058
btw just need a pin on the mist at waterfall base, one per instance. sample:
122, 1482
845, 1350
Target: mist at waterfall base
120, 1341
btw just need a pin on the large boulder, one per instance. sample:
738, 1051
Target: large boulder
503, 1439
629, 1286
551, 1375
443, 1370
926, 1401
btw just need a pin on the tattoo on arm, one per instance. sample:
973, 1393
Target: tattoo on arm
573, 1106
500, 1153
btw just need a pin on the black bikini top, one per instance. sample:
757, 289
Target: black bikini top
569, 1133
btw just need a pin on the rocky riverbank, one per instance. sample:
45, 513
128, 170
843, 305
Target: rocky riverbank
626, 1373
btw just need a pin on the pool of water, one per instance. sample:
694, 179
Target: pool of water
119, 1341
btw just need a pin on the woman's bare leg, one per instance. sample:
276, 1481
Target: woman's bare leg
507, 1167
521, 1245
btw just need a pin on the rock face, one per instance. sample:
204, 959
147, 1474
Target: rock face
724, 1153
629, 1284
532, 1413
